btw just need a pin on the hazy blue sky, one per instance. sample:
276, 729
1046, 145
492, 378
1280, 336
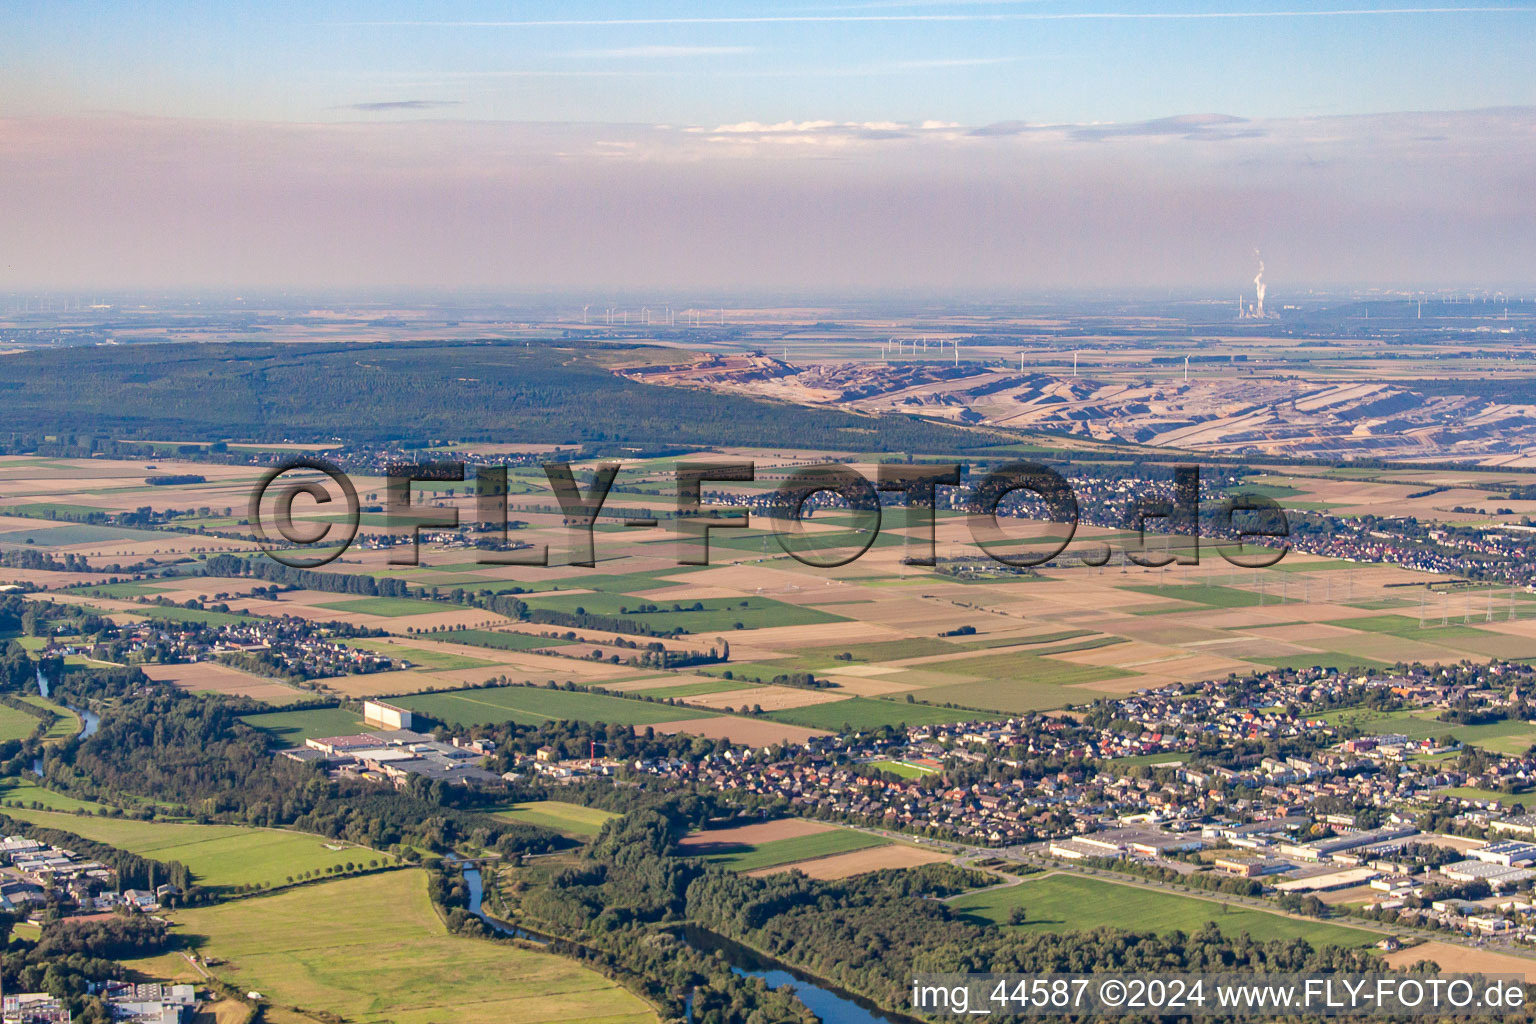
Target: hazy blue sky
998, 144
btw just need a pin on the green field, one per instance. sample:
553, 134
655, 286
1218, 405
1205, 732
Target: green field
788, 851
79, 533
373, 950
26, 792
16, 725
498, 640
718, 615
173, 613
390, 607
1322, 659
868, 713
527, 705
219, 856
1068, 903
65, 726
1202, 593
1511, 736
572, 819
420, 658
292, 728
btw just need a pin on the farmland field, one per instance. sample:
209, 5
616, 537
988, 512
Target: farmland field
389, 607
717, 615
373, 950
869, 713
528, 705
572, 819
799, 848
219, 856
1063, 903
498, 640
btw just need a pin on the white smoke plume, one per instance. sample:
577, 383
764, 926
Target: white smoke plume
1258, 285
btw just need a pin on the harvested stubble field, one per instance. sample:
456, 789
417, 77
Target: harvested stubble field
212, 677
895, 856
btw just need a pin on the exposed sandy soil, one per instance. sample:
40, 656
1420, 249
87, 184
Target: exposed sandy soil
771, 698
751, 835
844, 865
1455, 959
750, 732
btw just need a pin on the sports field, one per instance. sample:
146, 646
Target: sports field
1067, 903
572, 819
219, 856
372, 950
528, 705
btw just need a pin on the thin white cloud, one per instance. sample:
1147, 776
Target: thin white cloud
1344, 12
660, 52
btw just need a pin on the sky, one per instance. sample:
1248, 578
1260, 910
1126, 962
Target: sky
943, 145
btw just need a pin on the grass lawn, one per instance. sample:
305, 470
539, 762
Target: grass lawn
906, 771
528, 705
572, 819
218, 855
869, 713
373, 950
787, 851
1474, 793
292, 728
1069, 903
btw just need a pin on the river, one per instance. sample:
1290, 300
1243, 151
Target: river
90, 721
832, 1006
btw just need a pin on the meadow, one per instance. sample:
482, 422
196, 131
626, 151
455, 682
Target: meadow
571, 819
1064, 903
528, 705
292, 728
372, 950
219, 856
16, 725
